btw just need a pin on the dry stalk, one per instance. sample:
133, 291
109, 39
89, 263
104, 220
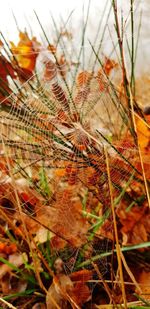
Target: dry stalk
118, 251
6, 303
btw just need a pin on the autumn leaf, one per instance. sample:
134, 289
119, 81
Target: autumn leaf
79, 279
6, 69
144, 281
82, 275
83, 78
50, 70
80, 288
106, 69
8, 248
109, 65
52, 48
39, 306
26, 51
62, 66
8, 283
57, 294
146, 164
60, 95
60, 172
143, 133
135, 223
101, 81
71, 288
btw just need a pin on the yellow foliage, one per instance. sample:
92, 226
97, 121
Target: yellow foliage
143, 133
26, 51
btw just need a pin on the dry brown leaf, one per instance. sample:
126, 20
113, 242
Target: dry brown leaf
83, 78
57, 295
39, 306
3, 270
135, 223
8, 282
144, 281
72, 289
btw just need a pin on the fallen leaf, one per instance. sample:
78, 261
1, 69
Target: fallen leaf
135, 224
8, 248
143, 133
39, 306
18, 259
57, 294
6, 69
144, 281
26, 52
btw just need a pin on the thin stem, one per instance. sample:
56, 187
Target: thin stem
132, 82
124, 73
115, 231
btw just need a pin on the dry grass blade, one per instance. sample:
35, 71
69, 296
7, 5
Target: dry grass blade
130, 273
7, 303
109, 292
118, 251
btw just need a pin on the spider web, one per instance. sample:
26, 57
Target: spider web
54, 136
51, 127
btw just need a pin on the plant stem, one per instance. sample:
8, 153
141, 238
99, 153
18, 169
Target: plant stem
124, 72
132, 82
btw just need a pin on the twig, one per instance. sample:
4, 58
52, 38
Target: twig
6, 303
124, 72
115, 231
130, 273
132, 82
139, 150
109, 292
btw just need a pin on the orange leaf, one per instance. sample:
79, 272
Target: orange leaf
50, 71
143, 133
83, 290
144, 280
84, 78
101, 81
8, 248
82, 275
109, 65
60, 172
26, 51
146, 164
2, 247
62, 66
51, 48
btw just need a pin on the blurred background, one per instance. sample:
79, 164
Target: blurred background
19, 15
